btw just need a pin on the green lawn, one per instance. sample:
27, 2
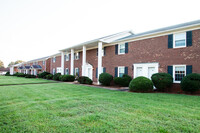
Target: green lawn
12, 80
62, 107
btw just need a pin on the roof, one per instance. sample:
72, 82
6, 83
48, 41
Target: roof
27, 67
36, 67
105, 39
43, 58
21, 67
183, 25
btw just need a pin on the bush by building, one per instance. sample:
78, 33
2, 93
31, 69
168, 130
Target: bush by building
191, 83
162, 81
85, 80
67, 78
105, 79
123, 81
56, 76
7, 74
141, 84
49, 76
21, 75
43, 75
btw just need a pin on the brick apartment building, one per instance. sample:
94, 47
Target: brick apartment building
174, 50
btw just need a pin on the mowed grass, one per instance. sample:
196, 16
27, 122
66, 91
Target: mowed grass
13, 80
62, 107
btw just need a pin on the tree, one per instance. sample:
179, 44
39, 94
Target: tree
16, 62
1, 64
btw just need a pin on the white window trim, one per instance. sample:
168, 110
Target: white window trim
54, 59
54, 71
174, 72
67, 59
119, 68
75, 70
174, 46
76, 57
119, 48
66, 71
43, 62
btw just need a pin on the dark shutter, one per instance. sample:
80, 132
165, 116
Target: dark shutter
116, 49
65, 57
104, 51
189, 38
126, 47
188, 69
69, 56
104, 70
78, 71
74, 56
79, 55
170, 41
116, 71
97, 51
97, 72
126, 70
170, 70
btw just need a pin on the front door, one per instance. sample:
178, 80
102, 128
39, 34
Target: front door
151, 71
139, 71
90, 73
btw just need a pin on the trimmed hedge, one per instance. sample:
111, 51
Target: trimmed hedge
7, 74
30, 76
191, 83
67, 78
141, 84
123, 81
85, 80
56, 76
49, 76
43, 75
15, 74
162, 81
105, 79
21, 75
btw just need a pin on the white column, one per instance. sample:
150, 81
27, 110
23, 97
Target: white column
99, 59
84, 61
72, 62
35, 72
11, 70
62, 63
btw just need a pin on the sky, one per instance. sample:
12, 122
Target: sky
31, 29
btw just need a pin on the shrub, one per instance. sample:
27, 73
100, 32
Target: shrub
30, 76
7, 74
85, 80
191, 83
123, 81
162, 81
67, 78
43, 75
49, 76
21, 75
56, 76
105, 79
15, 74
141, 84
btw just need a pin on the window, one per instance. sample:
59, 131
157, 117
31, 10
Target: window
43, 63
76, 56
179, 73
58, 70
121, 48
121, 71
54, 59
54, 71
67, 71
180, 40
77, 71
67, 57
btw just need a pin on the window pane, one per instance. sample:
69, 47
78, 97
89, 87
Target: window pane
179, 73
180, 43
180, 36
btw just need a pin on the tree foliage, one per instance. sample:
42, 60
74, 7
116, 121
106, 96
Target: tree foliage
1, 64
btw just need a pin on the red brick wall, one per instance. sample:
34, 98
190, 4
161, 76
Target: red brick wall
154, 50
48, 64
55, 64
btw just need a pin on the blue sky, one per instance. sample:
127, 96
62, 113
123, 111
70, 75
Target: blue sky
32, 29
